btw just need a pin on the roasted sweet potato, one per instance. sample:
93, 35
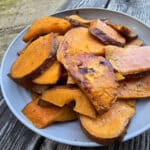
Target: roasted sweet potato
95, 76
39, 89
130, 60
76, 20
119, 76
34, 95
124, 30
44, 116
111, 126
46, 25
70, 80
106, 34
29, 85
135, 87
62, 95
134, 43
51, 75
59, 38
22, 51
38, 56
78, 40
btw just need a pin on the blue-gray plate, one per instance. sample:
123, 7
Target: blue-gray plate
70, 132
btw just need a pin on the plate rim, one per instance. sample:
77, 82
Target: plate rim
39, 131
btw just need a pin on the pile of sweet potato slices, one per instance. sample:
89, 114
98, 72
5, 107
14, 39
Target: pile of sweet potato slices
90, 70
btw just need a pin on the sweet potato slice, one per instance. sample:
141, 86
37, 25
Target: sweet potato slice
29, 85
39, 89
120, 28
62, 95
95, 76
51, 75
46, 25
34, 95
38, 56
59, 38
22, 51
129, 60
79, 40
43, 116
134, 43
135, 88
76, 20
119, 76
106, 34
111, 126
70, 80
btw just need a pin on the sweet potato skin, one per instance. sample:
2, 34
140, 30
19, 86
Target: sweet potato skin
73, 44
134, 42
76, 20
95, 77
62, 95
120, 28
135, 87
42, 53
111, 126
43, 116
46, 25
130, 60
51, 75
106, 34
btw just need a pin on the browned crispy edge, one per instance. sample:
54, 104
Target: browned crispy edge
104, 38
45, 65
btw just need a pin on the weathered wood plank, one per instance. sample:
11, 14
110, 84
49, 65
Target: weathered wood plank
70, 4
137, 8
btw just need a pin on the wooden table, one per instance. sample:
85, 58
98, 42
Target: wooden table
14, 16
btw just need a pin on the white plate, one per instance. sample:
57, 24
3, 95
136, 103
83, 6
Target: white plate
70, 133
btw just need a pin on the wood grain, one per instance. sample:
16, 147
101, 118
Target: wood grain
139, 9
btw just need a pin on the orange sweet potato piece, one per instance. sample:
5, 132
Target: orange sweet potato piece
95, 76
70, 80
51, 75
46, 25
106, 34
111, 126
129, 60
76, 20
38, 56
60, 38
120, 28
62, 95
39, 89
134, 43
124, 30
79, 40
135, 87
34, 95
43, 116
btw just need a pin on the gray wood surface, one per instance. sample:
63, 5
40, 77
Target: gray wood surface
14, 135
